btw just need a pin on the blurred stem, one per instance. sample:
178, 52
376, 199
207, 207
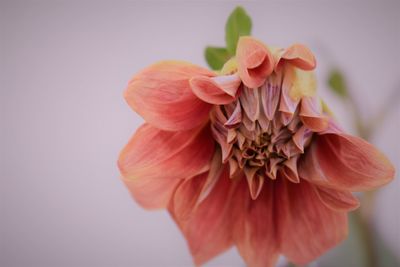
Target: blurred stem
365, 229
363, 215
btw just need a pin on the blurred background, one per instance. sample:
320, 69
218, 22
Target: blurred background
63, 68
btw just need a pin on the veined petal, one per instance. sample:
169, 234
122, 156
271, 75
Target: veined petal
254, 227
155, 160
344, 162
255, 61
186, 196
191, 192
288, 102
161, 94
208, 230
307, 228
337, 200
298, 55
218, 90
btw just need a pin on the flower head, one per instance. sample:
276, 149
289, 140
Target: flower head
247, 157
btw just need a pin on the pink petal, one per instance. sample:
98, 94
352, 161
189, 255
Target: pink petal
161, 94
307, 228
154, 161
345, 162
255, 61
290, 170
236, 118
255, 182
254, 227
218, 90
270, 94
298, 55
288, 103
208, 229
337, 200
249, 100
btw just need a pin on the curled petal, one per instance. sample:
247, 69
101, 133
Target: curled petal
255, 61
311, 114
218, 90
337, 200
154, 161
161, 94
298, 55
290, 170
270, 93
345, 162
208, 229
306, 227
249, 100
254, 227
254, 181
236, 117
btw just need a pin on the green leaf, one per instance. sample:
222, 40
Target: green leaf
216, 57
337, 83
238, 24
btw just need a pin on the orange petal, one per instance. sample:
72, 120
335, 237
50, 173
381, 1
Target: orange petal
161, 94
191, 192
185, 198
219, 90
255, 61
345, 162
208, 230
311, 114
337, 200
298, 55
307, 228
254, 227
154, 161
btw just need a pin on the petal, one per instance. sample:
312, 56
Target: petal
161, 94
154, 161
345, 162
249, 100
288, 103
298, 55
270, 93
311, 114
254, 228
255, 61
186, 196
296, 84
337, 200
208, 230
255, 182
191, 192
307, 228
218, 90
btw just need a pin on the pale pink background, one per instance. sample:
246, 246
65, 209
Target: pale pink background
64, 65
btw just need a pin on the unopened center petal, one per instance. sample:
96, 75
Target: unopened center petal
256, 138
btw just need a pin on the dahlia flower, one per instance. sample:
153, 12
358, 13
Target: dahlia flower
247, 157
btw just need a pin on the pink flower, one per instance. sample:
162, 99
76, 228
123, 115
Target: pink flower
247, 157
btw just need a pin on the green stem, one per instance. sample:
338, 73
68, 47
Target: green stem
366, 235
363, 215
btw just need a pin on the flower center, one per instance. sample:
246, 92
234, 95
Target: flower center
257, 138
